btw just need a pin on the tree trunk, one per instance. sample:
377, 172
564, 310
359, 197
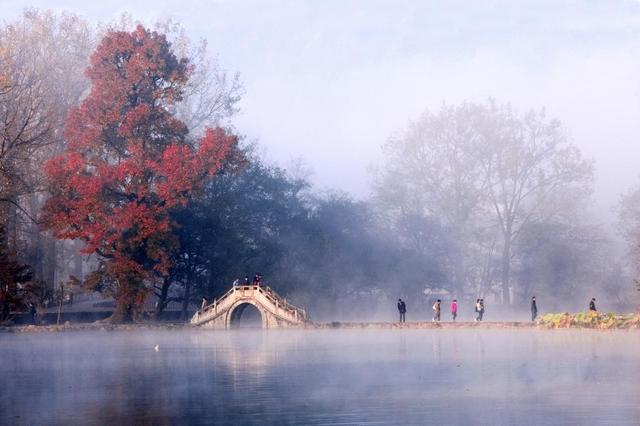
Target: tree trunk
5, 310
122, 314
187, 297
162, 298
460, 275
5, 223
78, 271
506, 271
50, 259
35, 241
125, 308
12, 234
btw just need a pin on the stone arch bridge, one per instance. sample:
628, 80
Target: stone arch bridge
275, 311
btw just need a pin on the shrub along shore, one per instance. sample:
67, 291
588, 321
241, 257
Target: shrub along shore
590, 319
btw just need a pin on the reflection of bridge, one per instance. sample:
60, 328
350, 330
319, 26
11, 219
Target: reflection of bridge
274, 310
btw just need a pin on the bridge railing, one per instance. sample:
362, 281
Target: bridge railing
213, 306
282, 302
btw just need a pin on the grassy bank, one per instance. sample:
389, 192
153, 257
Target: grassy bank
592, 320
95, 326
597, 320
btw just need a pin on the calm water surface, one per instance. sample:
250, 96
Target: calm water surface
317, 377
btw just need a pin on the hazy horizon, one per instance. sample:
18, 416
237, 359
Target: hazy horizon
330, 82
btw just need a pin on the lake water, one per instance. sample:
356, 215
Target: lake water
321, 377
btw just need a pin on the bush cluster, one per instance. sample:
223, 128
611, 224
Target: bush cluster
590, 319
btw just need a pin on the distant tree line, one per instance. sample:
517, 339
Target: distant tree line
130, 179
510, 190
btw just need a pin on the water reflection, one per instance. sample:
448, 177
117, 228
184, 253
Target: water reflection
321, 377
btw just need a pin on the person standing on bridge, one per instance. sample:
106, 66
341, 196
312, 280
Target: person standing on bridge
534, 309
257, 279
454, 309
246, 280
402, 308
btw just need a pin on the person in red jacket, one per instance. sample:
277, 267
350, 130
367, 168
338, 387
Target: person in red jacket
454, 309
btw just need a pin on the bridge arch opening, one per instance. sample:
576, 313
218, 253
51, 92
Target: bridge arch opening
245, 315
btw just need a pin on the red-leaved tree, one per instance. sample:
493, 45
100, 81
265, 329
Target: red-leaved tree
128, 164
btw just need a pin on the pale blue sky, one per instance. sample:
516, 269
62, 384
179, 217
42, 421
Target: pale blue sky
330, 81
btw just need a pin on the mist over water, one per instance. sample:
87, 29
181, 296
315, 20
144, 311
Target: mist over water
525, 377
358, 156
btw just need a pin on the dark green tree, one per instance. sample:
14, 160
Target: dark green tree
14, 280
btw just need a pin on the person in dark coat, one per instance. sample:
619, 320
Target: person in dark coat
246, 280
534, 309
402, 308
33, 312
592, 305
481, 313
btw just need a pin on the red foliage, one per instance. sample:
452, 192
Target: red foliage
129, 161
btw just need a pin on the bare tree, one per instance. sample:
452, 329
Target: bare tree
530, 171
485, 172
25, 125
431, 170
48, 53
629, 228
212, 95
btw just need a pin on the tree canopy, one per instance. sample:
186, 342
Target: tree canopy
128, 163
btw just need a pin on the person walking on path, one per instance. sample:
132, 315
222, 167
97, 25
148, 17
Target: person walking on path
404, 311
592, 305
33, 312
454, 309
481, 310
436, 310
402, 308
477, 310
534, 309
